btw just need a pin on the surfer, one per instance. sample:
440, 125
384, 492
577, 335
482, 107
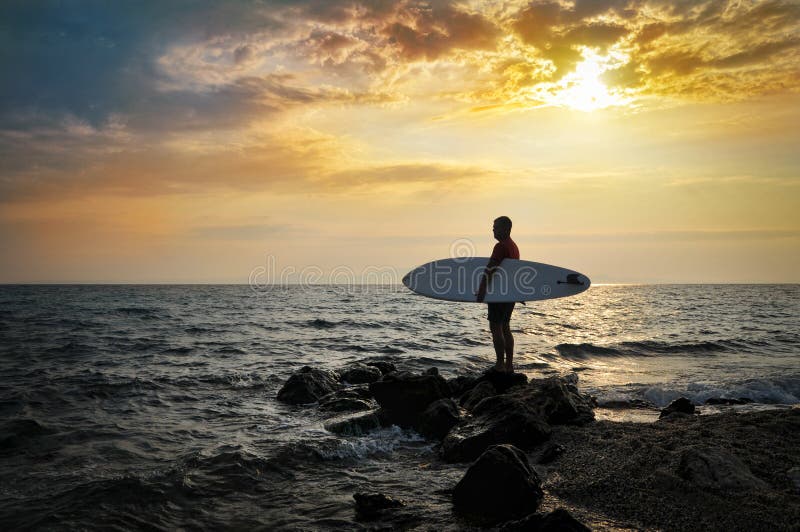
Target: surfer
500, 313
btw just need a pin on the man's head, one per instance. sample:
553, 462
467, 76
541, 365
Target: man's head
502, 227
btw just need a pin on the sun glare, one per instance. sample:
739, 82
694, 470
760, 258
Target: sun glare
583, 89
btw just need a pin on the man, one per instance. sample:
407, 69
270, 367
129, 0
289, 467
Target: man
500, 313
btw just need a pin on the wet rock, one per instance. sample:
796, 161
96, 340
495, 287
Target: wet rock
477, 394
432, 371
521, 417
727, 401
359, 373
559, 520
681, 405
550, 453
350, 399
437, 420
359, 424
308, 385
500, 484
405, 395
716, 468
384, 366
503, 381
371, 505
461, 384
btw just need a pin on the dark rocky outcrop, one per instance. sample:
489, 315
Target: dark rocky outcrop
477, 394
359, 424
384, 366
559, 520
717, 469
500, 484
520, 417
461, 384
681, 405
405, 396
359, 373
351, 399
503, 381
308, 385
371, 505
437, 420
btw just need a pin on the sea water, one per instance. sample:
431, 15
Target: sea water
154, 406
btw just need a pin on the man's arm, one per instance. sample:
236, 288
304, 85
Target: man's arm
486, 278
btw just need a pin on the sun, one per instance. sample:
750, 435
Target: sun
584, 89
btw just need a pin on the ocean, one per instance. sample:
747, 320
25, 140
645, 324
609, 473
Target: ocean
146, 407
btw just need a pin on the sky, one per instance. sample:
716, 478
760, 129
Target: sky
635, 141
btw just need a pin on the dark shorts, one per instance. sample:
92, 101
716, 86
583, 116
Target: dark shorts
500, 312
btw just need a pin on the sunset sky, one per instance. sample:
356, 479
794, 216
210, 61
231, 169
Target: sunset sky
634, 141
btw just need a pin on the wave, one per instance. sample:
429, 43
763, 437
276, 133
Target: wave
654, 348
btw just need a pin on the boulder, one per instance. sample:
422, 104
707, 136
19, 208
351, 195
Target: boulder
384, 366
359, 424
503, 381
682, 405
477, 394
308, 385
717, 469
500, 484
359, 373
405, 395
347, 400
521, 417
371, 505
437, 420
559, 520
461, 384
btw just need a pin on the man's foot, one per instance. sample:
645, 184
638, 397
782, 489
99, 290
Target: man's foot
508, 367
500, 366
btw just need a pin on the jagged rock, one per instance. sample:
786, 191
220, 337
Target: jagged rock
477, 394
503, 381
716, 468
405, 395
520, 417
559, 520
682, 405
461, 384
437, 420
360, 424
351, 399
550, 453
359, 373
727, 401
384, 366
500, 484
373, 504
308, 385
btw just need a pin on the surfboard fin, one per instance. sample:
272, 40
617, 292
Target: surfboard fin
572, 278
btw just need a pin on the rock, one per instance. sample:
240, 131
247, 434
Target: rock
437, 420
359, 373
477, 394
503, 381
727, 401
373, 504
500, 484
461, 384
682, 405
384, 366
521, 417
351, 399
360, 424
432, 371
550, 453
794, 475
405, 395
308, 385
717, 469
559, 520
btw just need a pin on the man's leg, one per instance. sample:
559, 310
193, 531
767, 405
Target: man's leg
499, 343
508, 344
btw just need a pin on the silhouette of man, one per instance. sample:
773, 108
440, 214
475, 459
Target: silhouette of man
500, 313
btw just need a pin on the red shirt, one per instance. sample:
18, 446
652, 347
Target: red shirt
505, 249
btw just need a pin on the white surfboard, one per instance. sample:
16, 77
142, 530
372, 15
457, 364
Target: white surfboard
458, 279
